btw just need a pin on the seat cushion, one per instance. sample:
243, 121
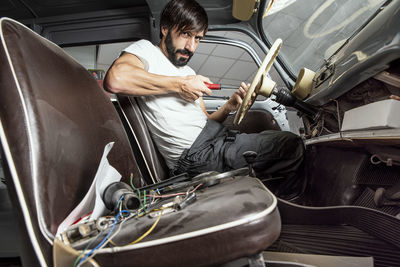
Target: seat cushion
234, 219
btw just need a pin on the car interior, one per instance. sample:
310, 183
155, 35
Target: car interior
58, 125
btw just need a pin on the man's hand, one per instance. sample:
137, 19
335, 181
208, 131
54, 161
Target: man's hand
232, 104
193, 87
395, 97
236, 99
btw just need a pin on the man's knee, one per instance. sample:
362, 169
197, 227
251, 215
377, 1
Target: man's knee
291, 145
287, 144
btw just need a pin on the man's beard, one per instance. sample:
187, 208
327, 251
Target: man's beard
173, 52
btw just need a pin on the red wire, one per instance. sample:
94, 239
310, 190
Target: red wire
84, 216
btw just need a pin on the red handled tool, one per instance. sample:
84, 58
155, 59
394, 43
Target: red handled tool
217, 86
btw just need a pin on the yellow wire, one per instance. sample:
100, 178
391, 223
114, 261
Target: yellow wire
112, 243
148, 231
145, 234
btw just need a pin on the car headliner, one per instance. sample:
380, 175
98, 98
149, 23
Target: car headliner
79, 22
37, 11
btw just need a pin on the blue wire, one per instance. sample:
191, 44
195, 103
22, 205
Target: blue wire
158, 190
105, 238
119, 201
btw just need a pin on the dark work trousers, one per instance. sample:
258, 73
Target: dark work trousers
279, 153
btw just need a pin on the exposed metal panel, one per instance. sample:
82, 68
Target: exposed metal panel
74, 22
127, 29
14, 9
29, 9
95, 27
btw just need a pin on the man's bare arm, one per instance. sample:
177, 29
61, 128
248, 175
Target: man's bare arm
128, 76
232, 104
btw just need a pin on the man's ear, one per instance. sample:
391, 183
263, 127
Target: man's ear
164, 31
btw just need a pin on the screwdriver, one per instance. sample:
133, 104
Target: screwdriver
217, 86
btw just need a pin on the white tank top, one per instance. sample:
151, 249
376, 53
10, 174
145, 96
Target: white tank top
173, 122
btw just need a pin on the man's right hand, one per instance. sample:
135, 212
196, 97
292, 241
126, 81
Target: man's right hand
193, 87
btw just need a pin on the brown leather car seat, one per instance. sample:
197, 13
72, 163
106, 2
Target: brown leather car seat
55, 123
153, 160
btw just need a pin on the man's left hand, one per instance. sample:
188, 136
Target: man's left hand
232, 104
236, 99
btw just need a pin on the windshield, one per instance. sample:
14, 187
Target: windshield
313, 30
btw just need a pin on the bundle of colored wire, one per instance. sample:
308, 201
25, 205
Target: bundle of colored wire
83, 251
105, 238
138, 191
108, 240
175, 194
139, 238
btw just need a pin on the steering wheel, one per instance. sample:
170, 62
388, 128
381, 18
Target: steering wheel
261, 84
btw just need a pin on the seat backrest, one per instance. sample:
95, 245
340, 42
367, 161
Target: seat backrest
152, 158
55, 121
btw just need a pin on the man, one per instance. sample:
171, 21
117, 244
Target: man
170, 96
